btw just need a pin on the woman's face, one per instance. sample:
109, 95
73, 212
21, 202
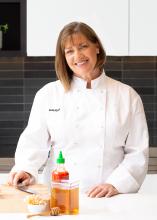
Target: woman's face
81, 56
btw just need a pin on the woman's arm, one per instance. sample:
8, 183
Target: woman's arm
34, 143
129, 175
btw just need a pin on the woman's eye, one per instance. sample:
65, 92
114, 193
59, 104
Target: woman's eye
68, 52
84, 46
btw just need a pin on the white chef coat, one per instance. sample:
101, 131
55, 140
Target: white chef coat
102, 133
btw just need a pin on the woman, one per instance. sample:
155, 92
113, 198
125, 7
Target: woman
98, 123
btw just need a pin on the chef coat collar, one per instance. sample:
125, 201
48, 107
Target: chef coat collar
96, 83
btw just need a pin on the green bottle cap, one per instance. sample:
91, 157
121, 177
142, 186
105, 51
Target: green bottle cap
60, 158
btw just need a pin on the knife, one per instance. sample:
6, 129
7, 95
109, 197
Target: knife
26, 189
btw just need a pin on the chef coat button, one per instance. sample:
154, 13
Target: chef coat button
76, 126
77, 108
99, 166
102, 126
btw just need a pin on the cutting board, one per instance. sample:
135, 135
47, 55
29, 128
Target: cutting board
12, 199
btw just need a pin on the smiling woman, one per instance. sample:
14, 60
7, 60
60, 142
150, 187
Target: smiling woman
100, 126
81, 57
83, 51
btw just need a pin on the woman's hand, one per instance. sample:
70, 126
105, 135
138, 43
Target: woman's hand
102, 190
20, 177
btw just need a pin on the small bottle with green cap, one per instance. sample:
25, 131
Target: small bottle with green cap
60, 173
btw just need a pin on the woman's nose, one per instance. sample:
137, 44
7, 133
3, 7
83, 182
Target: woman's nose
77, 54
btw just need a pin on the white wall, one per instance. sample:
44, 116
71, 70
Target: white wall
143, 27
45, 19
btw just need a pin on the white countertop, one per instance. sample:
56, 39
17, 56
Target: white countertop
121, 207
138, 206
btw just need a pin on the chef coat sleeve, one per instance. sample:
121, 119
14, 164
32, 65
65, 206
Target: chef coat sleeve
34, 145
129, 175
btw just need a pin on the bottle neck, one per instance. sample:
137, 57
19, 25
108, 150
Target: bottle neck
60, 167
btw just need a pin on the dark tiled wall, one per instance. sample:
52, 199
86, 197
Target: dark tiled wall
21, 77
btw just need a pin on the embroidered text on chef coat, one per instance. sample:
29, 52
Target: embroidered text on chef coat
54, 109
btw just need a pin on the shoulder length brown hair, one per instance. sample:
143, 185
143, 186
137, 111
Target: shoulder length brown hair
64, 73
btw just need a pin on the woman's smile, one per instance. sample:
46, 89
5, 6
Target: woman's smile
81, 56
81, 63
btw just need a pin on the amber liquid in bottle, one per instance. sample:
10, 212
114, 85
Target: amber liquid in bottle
66, 199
